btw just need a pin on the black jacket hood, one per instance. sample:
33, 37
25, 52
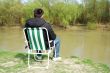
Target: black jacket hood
35, 22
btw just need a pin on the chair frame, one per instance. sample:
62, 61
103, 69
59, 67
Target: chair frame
30, 51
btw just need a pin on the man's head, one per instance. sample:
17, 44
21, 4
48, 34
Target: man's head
38, 12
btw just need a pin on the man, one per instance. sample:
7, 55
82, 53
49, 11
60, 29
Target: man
38, 21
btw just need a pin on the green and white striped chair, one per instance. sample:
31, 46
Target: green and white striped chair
35, 40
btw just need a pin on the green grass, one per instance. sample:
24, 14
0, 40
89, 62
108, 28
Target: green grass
92, 26
98, 66
14, 62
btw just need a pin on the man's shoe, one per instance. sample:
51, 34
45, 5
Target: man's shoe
37, 57
57, 59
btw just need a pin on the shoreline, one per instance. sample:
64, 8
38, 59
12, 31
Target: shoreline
70, 27
16, 62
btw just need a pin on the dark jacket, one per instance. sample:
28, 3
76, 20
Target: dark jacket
39, 22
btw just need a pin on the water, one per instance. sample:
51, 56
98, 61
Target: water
93, 44
11, 39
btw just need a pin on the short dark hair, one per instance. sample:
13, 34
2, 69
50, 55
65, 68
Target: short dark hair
38, 12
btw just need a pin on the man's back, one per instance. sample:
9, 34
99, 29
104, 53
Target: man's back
39, 22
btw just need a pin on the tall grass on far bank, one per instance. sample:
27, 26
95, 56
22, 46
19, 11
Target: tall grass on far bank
91, 26
58, 12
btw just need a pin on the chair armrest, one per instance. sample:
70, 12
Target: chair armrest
26, 44
52, 44
50, 41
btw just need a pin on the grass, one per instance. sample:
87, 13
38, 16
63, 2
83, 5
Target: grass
15, 62
98, 66
92, 26
12, 61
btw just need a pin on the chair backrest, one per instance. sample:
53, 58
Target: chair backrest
35, 38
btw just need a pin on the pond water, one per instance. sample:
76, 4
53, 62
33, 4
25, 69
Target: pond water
89, 44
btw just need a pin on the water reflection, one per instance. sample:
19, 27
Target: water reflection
84, 44
11, 39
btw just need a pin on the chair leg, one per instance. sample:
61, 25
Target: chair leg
28, 58
48, 61
38, 67
55, 52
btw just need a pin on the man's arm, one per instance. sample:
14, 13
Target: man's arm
52, 34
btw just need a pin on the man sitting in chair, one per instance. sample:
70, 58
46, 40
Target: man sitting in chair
38, 21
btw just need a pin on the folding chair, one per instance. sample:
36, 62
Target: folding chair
34, 39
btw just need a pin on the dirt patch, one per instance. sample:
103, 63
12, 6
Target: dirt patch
9, 63
65, 66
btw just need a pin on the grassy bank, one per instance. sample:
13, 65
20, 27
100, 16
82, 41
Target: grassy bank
13, 62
